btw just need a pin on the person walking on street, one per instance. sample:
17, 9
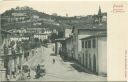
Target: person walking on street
38, 71
53, 61
29, 75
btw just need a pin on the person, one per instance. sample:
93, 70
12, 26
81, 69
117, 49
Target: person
29, 76
38, 70
13, 74
53, 49
53, 61
38, 67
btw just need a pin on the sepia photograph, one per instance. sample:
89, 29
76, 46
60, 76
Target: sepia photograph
53, 41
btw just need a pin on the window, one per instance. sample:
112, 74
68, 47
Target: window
89, 44
82, 44
94, 43
86, 43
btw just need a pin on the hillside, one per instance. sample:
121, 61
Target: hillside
26, 17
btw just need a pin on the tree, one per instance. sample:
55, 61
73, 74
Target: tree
18, 46
45, 41
12, 43
25, 45
53, 36
60, 34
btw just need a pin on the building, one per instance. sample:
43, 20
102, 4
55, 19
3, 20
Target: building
79, 33
101, 17
96, 25
68, 32
41, 36
94, 53
69, 47
63, 45
34, 30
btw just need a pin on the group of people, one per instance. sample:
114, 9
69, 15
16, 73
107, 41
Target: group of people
27, 74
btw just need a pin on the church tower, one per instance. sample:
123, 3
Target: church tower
100, 15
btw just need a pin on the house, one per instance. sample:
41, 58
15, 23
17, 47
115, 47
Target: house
60, 46
65, 44
88, 29
69, 47
94, 53
79, 33
41, 36
34, 30
68, 32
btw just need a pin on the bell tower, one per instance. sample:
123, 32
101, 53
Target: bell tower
99, 15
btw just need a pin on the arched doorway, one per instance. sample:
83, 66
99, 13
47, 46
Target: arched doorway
94, 63
90, 62
83, 59
86, 63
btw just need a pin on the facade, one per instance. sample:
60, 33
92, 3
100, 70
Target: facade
60, 46
41, 36
69, 47
80, 33
94, 53
34, 30
68, 32
88, 45
97, 25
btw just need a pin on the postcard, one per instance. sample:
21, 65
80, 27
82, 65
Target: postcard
63, 40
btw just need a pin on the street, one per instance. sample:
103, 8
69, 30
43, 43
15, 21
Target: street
58, 71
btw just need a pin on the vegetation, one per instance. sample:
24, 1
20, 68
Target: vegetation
9, 21
45, 41
52, 37
12, 43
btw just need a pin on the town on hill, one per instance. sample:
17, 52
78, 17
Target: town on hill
36, 46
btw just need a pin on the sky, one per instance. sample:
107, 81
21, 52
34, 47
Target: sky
72, 8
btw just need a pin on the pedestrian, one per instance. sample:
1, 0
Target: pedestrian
13, 74
53, 61
22, 76
29, 75
53, 49
38, 71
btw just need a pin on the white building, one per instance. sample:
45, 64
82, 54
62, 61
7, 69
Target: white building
94, 53
41, 36
68, 32
79, 33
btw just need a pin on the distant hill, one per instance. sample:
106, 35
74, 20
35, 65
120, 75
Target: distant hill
26, 17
